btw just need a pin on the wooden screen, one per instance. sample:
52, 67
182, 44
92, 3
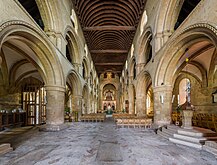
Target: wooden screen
34, 102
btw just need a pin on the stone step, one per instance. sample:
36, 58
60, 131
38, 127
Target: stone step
186, 143
212, 144
211, 147
173, 127
163, 134
169, 131
194, 139
197, 132
5, 148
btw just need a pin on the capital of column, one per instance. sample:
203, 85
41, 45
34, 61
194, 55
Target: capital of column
55, 88
162, 88
139, 67
78, 67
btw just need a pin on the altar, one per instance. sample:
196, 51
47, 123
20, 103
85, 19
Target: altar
109, 107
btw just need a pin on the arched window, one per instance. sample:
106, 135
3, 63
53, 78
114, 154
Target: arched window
134, 69
68, 50
184, 91
83, 70
149, 50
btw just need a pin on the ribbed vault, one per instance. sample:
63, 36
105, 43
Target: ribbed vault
109, 27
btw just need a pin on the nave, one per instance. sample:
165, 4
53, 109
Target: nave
100, 143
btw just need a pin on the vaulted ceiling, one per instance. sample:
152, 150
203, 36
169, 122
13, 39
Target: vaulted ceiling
109, 27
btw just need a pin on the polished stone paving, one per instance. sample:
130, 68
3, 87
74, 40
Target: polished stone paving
97, 144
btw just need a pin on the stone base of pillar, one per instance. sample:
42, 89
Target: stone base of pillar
161, 123
53, 128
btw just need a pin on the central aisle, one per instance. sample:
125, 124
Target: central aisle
101, 144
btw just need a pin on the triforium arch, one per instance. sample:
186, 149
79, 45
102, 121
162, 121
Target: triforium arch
85, 68
167, 17
22, 36
144, 49
143, 84
132, 68
73, 46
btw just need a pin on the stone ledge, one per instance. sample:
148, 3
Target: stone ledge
5, 148
211, 147
53, 128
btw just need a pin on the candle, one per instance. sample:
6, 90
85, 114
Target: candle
173, 98
178, 99
162, 99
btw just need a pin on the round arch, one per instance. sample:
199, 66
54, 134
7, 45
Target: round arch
75, 83
74, 45
85, 67
46, 60
144, 81
142, 46
167, 15
169, 66
132, 66
143, 84
40, 52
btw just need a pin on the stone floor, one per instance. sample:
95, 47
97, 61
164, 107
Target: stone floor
97, 144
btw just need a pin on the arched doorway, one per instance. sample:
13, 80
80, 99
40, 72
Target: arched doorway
109, 99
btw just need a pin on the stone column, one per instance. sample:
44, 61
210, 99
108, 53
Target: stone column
141, 104
77, 104
118, 97
131, 99
100, 100
162, 105
55, 96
